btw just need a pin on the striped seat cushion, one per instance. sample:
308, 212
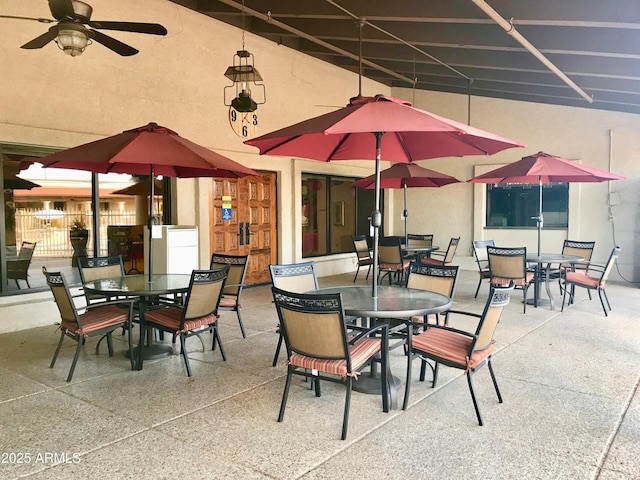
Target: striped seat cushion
360, 353
170, 318
97, 319
434, 261
518, 282
582, 278
395, 266
228, 302
450, 346
431, 319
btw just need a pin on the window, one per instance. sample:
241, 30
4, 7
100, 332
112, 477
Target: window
43, 215
331, 214
511, 205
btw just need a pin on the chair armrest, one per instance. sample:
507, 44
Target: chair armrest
445, 327
131, 302
441, 327
365, 332
595, 267
163, 302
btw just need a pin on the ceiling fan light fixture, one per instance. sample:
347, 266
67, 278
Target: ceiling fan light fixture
72, 41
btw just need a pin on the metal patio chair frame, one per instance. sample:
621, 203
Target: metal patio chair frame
320, 346
465, 350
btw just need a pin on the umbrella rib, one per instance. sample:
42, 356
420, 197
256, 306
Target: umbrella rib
465, 139
280, 144
404, 147
338, 145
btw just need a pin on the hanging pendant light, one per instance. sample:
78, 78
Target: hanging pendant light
244, 76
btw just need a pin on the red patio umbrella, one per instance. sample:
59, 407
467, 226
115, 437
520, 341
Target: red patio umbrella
148, 150
403, 134
542, 168
406, 175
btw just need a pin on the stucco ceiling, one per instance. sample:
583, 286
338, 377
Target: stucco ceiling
455, 46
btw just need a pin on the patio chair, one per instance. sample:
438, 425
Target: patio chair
480, 253
80, 323
586, 279
391, 261
198, 313
434, 279
509, 265
573, 247
415, 240
297, 278
460, 349
98, 268
318, 346
18, 268
363, 254
232, 291
443, 257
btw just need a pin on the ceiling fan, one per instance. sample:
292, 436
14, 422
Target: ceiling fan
72, 33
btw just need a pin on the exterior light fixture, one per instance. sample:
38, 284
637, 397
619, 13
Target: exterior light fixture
239, 96
242, 73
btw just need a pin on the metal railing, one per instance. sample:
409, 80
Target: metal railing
50, 228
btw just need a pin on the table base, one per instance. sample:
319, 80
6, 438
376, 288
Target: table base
369, 384
153, 352
542, 302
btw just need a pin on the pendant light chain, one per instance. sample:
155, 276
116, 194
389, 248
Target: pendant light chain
415, 81
242, 24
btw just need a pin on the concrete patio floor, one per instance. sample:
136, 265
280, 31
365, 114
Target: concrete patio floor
569, 381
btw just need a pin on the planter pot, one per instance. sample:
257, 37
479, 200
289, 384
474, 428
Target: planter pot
78, 240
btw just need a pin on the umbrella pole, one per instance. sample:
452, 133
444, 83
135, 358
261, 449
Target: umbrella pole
151, 222
405, 214
376, 216
540, 217
95, 199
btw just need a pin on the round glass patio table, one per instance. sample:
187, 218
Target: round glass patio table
147, 292
418, 252
392, 302
548, 259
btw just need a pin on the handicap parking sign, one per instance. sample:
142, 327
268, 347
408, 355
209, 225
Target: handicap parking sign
226, 214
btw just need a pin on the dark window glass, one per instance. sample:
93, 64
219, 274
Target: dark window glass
332, 211
511, 205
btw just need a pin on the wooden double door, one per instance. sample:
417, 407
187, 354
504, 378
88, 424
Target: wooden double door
252, 227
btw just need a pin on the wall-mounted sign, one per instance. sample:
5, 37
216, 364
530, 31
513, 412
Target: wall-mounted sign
226, 207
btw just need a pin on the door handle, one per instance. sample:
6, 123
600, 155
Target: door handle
241, 233
248, 233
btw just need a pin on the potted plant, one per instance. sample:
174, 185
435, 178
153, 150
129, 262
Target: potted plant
78, 235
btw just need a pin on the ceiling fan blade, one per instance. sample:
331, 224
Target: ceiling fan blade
112, 44
151, 28
61, 9
42, 40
